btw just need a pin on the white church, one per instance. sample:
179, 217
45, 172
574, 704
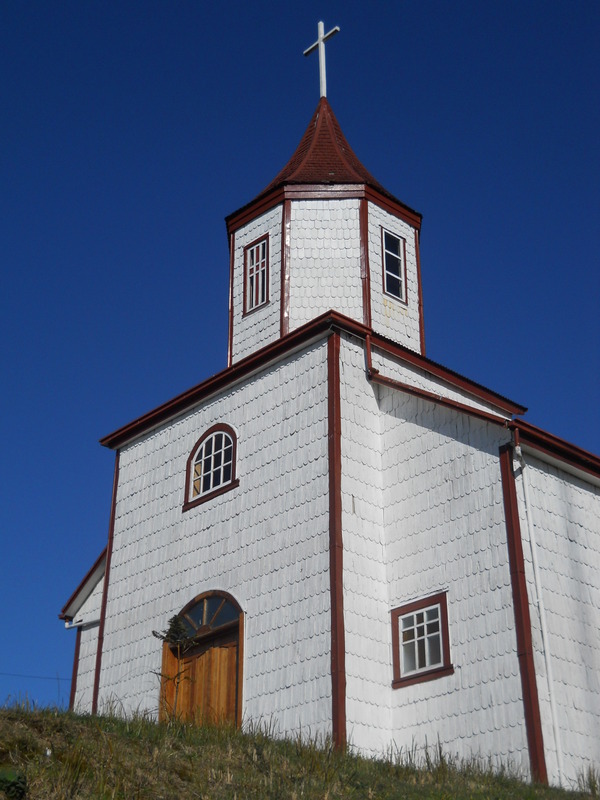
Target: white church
362, 543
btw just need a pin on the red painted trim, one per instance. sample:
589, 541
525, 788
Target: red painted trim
365, 269
376, 377
420, 291
75, 671
231, 265
557, 448
82, 583
246, 310
446, 668
337, 191
109, 548
338, 647
297, 338
226, 487
533, 722
284, 300
403, 300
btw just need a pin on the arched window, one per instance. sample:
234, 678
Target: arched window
211, 466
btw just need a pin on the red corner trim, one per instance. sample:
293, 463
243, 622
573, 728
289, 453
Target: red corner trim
231, 264
557, 448
284, 295
420, 291
75, 671
338, 647
533, 722
365, 271
109, 548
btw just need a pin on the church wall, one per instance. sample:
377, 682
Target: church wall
446, 532
324, 267
390, 317
265, 542
565, 513
366, 607
262, 325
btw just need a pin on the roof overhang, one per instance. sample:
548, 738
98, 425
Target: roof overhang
85, 588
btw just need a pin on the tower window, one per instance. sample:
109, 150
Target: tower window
211, 466
256, 274
394, 265
420, 641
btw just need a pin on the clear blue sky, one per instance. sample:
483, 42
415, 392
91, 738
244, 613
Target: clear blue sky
129, 130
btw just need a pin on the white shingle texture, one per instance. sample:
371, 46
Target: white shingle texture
324, 268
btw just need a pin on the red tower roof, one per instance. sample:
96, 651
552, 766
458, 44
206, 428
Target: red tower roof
324, 156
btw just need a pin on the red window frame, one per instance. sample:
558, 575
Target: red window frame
256, 275
384, 271
420, 675
192, 500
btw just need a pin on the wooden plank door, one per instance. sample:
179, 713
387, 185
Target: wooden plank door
206, 689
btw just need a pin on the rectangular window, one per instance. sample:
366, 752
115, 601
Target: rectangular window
420, 641
394, 265
256, 274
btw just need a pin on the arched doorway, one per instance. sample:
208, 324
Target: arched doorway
201, 675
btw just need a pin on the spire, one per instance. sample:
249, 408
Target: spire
323, 156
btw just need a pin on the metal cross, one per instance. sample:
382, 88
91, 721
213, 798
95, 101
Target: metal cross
320, 43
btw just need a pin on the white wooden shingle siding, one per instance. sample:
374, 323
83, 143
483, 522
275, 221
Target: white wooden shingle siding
390, 317
446, 532
565, 513
265, 542
262, 326
324, 268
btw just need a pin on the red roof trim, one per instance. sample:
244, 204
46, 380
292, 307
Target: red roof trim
301, 336
82, 584
557, 448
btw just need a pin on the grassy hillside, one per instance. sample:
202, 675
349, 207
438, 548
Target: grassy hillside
61, 755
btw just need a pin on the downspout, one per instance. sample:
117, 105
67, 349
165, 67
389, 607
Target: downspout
539, 601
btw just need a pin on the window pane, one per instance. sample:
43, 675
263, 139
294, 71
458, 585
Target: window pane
195, 614
435, 653
392, 243
408, 621
227, 473
206, 483
392, 286
421, 662
408, 652
227, 614
432, 613
392, 265
212, 606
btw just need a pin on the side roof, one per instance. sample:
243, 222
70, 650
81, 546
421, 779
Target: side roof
85, 588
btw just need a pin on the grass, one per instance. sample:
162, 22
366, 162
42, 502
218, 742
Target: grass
61, 755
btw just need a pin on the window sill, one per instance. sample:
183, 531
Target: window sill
421, 677
209, 496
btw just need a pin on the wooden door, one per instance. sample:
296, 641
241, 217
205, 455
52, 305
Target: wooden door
202, 686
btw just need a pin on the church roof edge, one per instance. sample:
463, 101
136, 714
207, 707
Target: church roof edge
311, 331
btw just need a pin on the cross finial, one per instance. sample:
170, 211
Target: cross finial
320, 43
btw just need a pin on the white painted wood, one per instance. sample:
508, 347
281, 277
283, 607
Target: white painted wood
322, 37
324, 269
